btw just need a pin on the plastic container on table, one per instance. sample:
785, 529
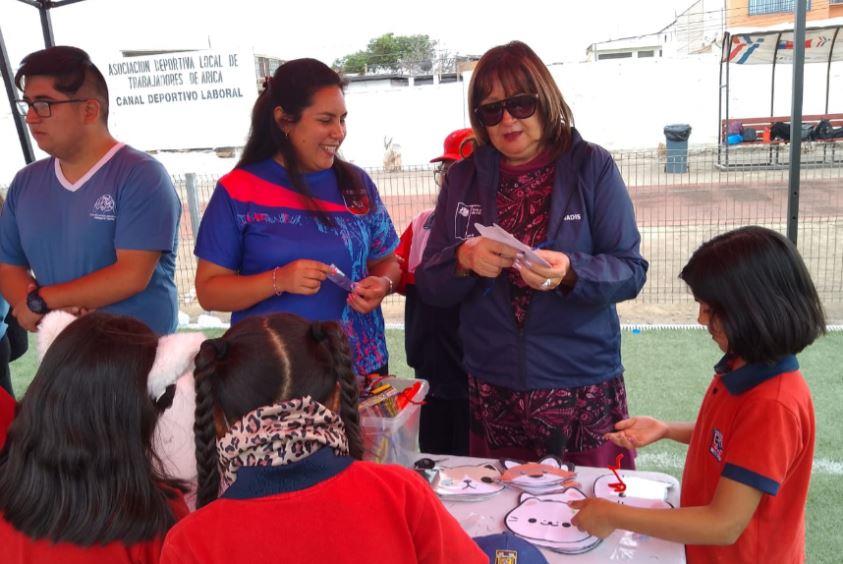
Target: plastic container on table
394, 440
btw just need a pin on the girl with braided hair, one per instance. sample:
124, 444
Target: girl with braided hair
277, 431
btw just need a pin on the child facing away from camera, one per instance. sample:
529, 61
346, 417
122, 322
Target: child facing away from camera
751, 448
277, 425
78, 480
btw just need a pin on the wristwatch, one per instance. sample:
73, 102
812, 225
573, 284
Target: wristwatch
36, 303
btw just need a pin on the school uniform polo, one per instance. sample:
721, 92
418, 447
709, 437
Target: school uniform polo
756, 427
18, 548
324, 508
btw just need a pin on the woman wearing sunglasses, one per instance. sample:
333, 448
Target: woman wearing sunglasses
541, 341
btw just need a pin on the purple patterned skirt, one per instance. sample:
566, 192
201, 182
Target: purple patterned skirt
506, 423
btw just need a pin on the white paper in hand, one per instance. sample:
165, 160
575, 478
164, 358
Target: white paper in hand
501, 235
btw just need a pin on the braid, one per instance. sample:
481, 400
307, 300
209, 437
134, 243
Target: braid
347, 378
204, 429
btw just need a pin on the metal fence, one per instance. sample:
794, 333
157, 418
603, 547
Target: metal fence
678, 212
675, 213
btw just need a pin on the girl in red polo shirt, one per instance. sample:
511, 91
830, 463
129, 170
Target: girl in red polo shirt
77, 483
277, 429
751, 448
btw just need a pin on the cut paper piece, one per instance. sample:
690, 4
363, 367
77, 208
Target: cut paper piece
340, 279
619, 487
640, 492
501, 235
546, 521
467, 483
548, 475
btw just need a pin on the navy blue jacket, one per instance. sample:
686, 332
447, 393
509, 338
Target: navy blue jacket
571, 337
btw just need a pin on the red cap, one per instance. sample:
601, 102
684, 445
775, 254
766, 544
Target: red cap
457, 146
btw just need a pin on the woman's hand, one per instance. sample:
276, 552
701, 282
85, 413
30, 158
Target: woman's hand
594, 516
485, 257
637, 432
368, 293
545, 278
302, 276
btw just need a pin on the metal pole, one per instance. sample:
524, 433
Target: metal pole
46, 24
796, 122
720, 139
192, 203
770, 150
773, 76
828, 67
728, 80
8, 82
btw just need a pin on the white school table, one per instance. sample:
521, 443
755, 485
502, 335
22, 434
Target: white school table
480, 518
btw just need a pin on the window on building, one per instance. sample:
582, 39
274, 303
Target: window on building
603, 56
646, 54
761, 7
266, 66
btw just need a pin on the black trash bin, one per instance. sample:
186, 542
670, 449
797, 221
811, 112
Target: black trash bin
677, 147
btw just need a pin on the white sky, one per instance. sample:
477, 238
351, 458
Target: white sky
557, 29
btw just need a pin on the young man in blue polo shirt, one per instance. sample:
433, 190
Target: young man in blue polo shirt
94, 226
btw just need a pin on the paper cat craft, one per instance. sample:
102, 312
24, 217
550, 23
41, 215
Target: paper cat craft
640, 492
545, 520
466, 480
548, 472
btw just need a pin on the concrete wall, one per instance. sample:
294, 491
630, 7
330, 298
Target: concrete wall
619, 104
417, 119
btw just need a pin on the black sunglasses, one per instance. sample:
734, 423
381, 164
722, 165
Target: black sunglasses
520, 106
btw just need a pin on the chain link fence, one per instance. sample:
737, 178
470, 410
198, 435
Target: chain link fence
676, 212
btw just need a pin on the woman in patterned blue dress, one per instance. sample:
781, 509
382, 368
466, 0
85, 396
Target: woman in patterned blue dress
290, 210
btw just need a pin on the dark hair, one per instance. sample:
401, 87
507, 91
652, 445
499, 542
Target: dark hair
292, 88
759, 289
78, 465
520, 70
72, 70
261, 361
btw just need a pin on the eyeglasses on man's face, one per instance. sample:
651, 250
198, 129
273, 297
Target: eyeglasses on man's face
520, 106
43, 108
